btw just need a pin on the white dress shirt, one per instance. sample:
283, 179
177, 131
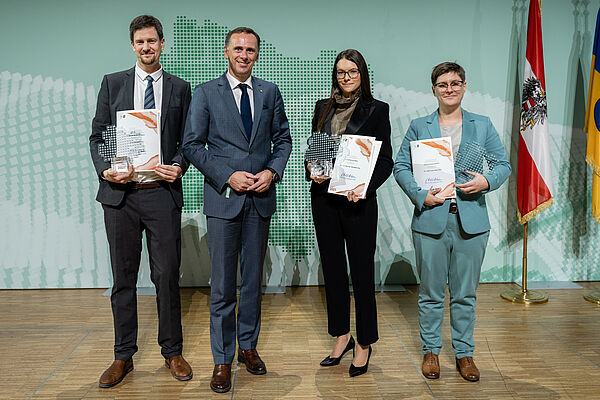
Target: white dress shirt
139, 93
237, 91
140, 88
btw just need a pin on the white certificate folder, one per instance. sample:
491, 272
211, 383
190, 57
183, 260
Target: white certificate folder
354, 165
138, 137
433, 165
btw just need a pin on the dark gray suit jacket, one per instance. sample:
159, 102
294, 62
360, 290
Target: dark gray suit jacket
116, 94
215, 143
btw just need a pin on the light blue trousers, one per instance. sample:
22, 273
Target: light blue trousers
454, 258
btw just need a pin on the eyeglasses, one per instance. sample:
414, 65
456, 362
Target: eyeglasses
353, 74
454, 85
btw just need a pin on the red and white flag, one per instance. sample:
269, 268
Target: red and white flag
534, 178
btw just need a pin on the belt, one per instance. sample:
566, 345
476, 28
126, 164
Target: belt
146, 185
453, 208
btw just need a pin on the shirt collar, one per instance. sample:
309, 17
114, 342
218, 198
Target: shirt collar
234, 82
156, 75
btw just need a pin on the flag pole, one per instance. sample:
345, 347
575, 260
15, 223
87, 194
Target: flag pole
592, 156
535, 168
524, 295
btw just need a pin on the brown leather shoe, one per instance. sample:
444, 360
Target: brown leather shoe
467, 368
180, 369
431, 366
254, 364
221, 378
115, 373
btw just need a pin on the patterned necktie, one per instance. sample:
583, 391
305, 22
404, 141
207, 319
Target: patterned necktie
149, 94
245, 110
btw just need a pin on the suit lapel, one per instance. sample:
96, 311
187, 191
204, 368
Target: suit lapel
433, 125
125, 98
258, 98
468, 129
327, 124
229, 101
361, 114
166, 98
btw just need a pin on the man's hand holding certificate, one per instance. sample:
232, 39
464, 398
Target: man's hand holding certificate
433, 166
138, 138
354, 165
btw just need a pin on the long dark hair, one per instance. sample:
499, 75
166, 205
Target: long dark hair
365, 82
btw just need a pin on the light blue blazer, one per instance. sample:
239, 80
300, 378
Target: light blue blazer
215, 143
471, 208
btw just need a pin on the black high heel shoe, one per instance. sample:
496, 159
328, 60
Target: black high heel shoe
331, 361
355, 371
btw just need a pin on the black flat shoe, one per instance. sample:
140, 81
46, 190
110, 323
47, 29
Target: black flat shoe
355, 371
331, 361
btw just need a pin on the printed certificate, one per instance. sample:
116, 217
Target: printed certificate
138, 138
433, 165
354, 165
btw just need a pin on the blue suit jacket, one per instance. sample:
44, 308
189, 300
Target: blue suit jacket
215, 143
471, 208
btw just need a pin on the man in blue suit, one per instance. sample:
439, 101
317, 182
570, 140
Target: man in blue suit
450, 236
237, 135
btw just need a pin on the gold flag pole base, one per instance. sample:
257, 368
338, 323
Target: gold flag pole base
524, 296
593, 297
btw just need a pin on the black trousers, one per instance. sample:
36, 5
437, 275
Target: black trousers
341, 225
154, 211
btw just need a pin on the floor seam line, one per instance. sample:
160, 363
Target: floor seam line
568, 345
498, 368
234, 379
413, 361
60, 365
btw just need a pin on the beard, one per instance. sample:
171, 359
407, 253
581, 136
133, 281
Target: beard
148, 61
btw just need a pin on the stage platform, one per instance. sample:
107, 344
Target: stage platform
57, 343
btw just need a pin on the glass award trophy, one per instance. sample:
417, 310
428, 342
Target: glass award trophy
120, 164
321, 151
472, 157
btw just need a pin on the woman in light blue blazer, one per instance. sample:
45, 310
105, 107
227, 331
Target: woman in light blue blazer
450, 236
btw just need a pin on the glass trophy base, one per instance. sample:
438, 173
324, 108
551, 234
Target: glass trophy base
321, 169
120, 164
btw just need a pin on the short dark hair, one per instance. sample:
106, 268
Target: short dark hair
444, 68
242, 29
145, 21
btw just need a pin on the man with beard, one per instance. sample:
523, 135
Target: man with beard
134, 202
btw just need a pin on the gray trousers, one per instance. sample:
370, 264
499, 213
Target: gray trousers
245, 238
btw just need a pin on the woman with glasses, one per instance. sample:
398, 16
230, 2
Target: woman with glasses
349, 223
450, 235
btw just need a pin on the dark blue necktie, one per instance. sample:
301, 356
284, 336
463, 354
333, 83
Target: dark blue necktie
245, 110
149, 94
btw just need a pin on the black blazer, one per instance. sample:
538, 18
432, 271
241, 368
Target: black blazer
116, 94
370, 118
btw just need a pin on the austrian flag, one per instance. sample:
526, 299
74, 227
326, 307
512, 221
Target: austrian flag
534, 178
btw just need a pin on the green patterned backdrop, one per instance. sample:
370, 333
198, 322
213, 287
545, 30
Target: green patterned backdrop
53, 232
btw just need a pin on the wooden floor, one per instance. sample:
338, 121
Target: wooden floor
56, 343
